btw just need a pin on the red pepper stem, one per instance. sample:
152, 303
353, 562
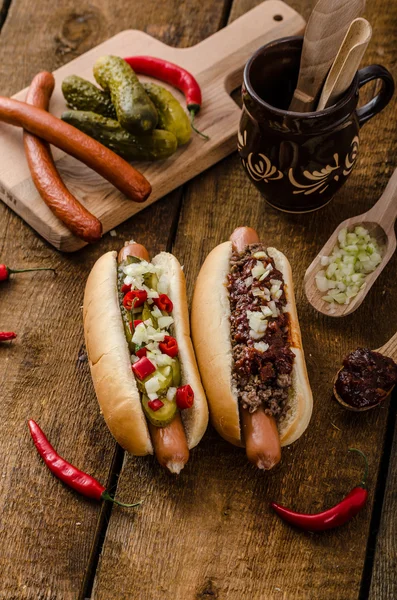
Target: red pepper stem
363, 482
106, 496
192, 115
25, 270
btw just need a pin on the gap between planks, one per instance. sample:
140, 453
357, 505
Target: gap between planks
5, 7
381, 483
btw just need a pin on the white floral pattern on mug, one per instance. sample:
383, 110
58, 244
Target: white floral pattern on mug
260, 168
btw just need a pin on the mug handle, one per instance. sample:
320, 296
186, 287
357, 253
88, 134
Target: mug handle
382, 99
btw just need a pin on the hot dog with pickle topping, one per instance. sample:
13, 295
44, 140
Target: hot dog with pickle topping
248, 345
141, 357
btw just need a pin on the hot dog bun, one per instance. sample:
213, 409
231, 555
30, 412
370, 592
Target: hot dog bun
210, 321
109, 356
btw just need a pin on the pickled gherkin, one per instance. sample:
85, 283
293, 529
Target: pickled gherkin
81, 94
156, 145
135, 111
172, 117
161, 417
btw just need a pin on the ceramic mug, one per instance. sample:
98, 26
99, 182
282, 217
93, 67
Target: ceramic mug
299, 160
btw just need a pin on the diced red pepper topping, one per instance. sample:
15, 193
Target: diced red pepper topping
141, 352
125, 288
134, 299
155, 404
137, 322
184, 397
169, 346
163, 303
143, 367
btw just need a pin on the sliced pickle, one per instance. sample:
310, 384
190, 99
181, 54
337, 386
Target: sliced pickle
146, 314
151, 280
161, 417
164, 385
176, 373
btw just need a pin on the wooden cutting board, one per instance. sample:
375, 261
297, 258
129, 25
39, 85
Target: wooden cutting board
217, 63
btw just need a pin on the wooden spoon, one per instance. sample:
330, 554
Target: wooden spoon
346, 62
379, 221
325, 30
389, 349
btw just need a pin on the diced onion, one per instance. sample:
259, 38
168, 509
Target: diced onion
171, 393
355, 255
163, 283
140, 335
163, 360
260, 254
261, 346
152, 396
152, 385
258, 270
248, 281
156, 312
165, 322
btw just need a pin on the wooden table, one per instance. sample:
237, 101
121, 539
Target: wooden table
208, 534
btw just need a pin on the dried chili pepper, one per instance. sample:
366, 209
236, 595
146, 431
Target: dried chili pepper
169, 346
175, 76
78, 480
184, 397
6, 336
333, 517
5, 271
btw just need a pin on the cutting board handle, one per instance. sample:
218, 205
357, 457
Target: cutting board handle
224, 54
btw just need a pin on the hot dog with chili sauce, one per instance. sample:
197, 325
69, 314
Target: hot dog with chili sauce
141, 357
45, 175
253, 370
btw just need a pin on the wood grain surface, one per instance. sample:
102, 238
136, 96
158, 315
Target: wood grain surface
208, 534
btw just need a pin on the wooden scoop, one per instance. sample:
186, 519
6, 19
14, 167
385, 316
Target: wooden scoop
379, 221
325, 30
389, 349
346, 62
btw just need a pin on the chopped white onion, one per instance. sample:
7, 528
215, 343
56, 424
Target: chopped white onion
165, 322
248, 281
255, 335
140, 335
152, 385
156, 312
267, 311
260, 254
163, 360
171, 393
355, 255
261, 346
163, 283
258, 270
152, 396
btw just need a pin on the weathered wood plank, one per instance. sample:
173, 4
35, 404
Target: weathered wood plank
210, 534
47, 531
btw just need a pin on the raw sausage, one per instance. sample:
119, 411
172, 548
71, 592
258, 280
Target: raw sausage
45, 175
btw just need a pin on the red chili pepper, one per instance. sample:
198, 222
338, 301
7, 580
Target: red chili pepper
163, 303
125, 288
6, 336
169, 346
155, 404
141, 352
175, 76
333, 517
143, 367
78, 480
5, 271
136, 298
184, 397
